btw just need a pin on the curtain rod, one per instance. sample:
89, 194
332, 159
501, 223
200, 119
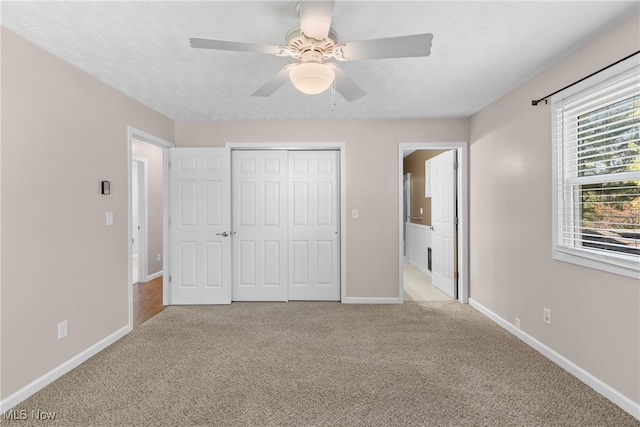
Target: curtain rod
544, 98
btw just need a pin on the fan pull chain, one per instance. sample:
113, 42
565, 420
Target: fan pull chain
333, 96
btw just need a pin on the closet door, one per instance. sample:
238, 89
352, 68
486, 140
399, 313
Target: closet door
200, 220
259, 205
314, 257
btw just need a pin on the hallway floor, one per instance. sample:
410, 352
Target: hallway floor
418, 287
147, 300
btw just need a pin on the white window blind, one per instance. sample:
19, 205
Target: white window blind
597, 148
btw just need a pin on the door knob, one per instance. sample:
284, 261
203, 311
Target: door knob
223, 234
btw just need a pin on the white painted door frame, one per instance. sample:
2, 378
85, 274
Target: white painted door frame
463, 210
133, 133
340, 146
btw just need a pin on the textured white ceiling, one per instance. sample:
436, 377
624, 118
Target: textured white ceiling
481, 50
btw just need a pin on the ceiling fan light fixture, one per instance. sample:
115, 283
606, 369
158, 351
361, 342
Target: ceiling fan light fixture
311, 77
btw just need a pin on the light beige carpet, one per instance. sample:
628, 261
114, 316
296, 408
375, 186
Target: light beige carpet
321, 364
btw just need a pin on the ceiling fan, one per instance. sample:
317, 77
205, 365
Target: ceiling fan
314, 44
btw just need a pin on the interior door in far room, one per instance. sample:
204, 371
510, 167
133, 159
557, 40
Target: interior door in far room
443, 217
200, 226
259, 200
314, 228
406, 213
135, 222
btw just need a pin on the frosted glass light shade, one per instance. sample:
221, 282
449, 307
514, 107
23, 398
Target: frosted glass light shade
311, 77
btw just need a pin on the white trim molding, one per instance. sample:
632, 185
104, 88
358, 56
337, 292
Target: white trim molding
56, 373
589, 379
154, 276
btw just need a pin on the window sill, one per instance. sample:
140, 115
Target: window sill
598, 262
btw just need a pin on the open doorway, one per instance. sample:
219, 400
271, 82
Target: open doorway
147, 204
433, 249
148, 169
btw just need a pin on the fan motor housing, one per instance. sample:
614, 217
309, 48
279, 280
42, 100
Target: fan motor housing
308, 49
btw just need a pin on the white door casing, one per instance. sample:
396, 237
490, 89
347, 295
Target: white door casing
260, 200
200, 225
443, 217
314, 226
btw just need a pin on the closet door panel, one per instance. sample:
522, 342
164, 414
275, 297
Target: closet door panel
259, 205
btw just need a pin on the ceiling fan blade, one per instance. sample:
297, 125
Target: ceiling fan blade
234, 46
274, 83
346, 86
315, 18
393, 47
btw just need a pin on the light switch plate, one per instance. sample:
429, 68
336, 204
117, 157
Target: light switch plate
109, 218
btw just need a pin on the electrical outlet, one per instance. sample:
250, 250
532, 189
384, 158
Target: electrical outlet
354, 213
62, 329
517, 323
158, 257
546, 316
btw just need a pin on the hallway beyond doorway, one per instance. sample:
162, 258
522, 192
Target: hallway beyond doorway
147, 300
417, 286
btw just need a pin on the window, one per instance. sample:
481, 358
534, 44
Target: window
596, 134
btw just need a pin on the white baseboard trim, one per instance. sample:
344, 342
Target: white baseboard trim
589, 379
154, 276
365, 300
56, 373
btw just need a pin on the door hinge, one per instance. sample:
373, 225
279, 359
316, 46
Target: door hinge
455, 275
456, 220
169, 165
170, 278
455, 165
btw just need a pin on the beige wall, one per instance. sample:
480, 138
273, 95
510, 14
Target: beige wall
371, 155
414, 164
62, 133
155, 228
595, 315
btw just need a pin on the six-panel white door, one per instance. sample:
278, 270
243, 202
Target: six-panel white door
443, 214
200, 221
260, 200
314, 270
